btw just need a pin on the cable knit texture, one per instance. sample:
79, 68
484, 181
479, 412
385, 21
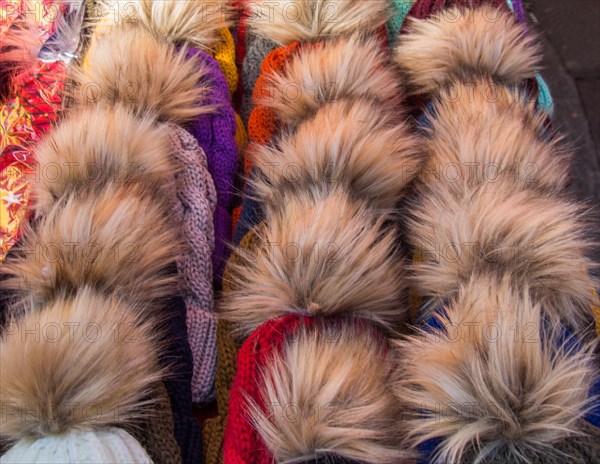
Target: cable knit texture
196, 202
216, 135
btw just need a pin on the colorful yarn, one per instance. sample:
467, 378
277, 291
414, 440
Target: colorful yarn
242, 443
193, 208
227, 349
216, 135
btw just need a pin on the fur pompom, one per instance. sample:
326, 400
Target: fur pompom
483, 132
112, 239
79, 363
328, 395
540, 242
462, 43
309, 20
117, 70
98, 146
491, 382
352, 144
323, 256
194, 23
355, 67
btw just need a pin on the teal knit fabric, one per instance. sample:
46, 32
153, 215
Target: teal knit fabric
400, 9
544, 100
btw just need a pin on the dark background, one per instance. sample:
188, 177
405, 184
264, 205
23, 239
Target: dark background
571, 33
570, 30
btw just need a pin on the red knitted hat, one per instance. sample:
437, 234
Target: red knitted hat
422, 9
242, 445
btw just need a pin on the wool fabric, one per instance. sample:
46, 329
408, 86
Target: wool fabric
258, 48
90, 447
242, 443
263, 124
156, 433
193, 209
178, 357
227, 348
216, 135
224, 54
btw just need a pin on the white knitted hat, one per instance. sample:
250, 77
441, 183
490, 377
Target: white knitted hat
113, 445
68, 396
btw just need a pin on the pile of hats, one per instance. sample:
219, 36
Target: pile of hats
503, 368
505, 305
409, 279
113, 278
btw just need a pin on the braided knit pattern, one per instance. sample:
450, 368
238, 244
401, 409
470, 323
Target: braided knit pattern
196, 202
216, 134
227, 349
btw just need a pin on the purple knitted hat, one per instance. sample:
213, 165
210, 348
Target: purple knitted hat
193, 208
216, 135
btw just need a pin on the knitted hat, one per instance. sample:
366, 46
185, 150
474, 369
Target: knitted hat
227, 354
270, 376
262, 125
193, 209
67, 382
242, 444
422, 9
112, 445
257, 50
494, 394
216, 135
277, 292
466, 370
156, 433
110, 212
215, 132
